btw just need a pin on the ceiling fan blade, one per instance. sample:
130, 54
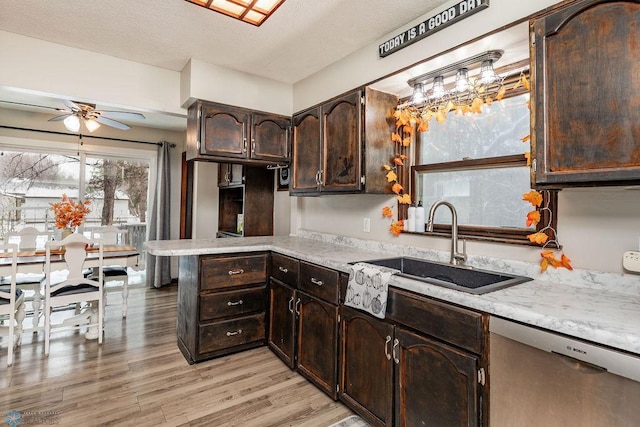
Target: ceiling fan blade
124, 115
113, 123
71, 105
32, 105
60, 118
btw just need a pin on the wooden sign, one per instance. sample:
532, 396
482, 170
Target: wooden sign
437, 22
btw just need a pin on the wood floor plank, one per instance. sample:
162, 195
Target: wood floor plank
138, 377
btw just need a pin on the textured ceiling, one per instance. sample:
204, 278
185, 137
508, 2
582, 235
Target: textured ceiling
301, 38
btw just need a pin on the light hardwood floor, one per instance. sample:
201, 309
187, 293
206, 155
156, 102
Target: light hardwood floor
139, 378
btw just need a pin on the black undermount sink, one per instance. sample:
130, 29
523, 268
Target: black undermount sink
461, 278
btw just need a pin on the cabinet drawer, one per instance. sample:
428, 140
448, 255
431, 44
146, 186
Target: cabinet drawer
285, 269
224, 272
461, 327
319, 281
231, 333
232, 303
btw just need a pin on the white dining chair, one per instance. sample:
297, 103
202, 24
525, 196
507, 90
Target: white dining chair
11, 304
29, 239
70, 286
110, 235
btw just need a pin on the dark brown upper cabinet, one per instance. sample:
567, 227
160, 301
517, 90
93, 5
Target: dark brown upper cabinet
585, 95
217, 132
341, 145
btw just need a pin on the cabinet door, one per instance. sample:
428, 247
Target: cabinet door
230, 174
586, 97
367, 368
224, 131
282, 321
318, 342
270, 137
435, 384
342, 142
305, 163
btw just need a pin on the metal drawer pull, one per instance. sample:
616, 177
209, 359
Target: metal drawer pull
230, 303
396, 344
232, 272
316, 281
284, 270
232, 333
386, 347
291, 305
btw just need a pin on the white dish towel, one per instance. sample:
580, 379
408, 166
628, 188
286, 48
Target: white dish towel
368, 287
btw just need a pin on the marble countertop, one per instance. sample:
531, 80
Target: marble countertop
603, 308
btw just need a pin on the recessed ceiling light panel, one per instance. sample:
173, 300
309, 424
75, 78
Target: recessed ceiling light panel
254, 12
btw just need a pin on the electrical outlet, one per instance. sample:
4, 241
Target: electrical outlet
631, 261
366, 225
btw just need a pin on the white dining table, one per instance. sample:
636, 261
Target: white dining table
34, 262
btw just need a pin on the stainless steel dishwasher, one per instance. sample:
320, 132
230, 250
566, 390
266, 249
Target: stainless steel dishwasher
540, 378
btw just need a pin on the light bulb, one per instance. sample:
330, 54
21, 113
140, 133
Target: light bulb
437, 90
487, 74
462, 80
418, 93
91, 124
72, 123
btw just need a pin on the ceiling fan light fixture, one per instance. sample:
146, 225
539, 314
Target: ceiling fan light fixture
91, 124
72, 123
253, 12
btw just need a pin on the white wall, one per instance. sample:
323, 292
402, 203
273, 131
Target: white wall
595, 225
200, 80
205, 200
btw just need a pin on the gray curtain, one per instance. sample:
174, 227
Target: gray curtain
159, 268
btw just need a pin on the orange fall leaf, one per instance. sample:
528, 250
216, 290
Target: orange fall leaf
391, 176
397, 227
533, 218
397, 188
387, 212
539, 238
526, 138
533, 197
404, 199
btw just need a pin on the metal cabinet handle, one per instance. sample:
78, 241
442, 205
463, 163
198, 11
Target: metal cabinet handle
227, 177
298, 307
230, 303
291, 305
321, 180
284, 270
232, 272
244, 140
232, 333
396, 349
386, 347
316, 281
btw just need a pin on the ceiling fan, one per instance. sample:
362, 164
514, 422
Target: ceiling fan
82, 112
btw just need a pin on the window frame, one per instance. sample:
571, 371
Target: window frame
510, 235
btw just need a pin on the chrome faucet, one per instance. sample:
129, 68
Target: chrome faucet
457, 258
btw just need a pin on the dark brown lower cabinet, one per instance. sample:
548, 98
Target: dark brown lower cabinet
435, 384
282, 321
304, 334
393, 376
367, 368
318, 342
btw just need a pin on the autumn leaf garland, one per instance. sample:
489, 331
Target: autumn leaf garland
540, 237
